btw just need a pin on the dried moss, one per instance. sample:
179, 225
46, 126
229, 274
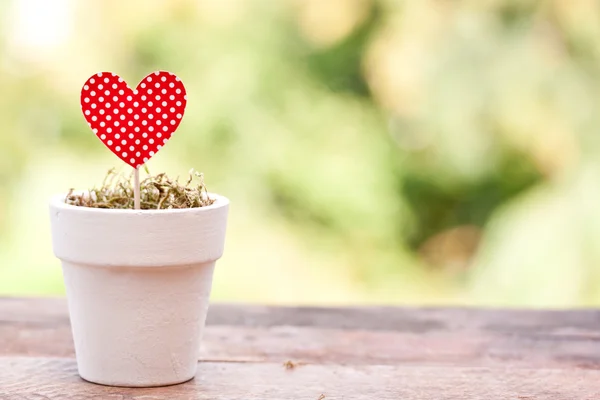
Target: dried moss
157, 192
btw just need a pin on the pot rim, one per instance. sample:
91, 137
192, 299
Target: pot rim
58, 201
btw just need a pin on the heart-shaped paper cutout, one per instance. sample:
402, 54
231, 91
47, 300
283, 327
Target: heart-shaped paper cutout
133, 124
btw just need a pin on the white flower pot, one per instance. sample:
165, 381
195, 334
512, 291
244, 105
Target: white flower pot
138, 286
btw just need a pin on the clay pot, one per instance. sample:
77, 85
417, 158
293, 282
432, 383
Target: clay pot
138, 284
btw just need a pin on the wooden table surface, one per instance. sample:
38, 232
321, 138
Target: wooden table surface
253, 352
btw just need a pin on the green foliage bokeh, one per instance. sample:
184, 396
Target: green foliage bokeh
374, 150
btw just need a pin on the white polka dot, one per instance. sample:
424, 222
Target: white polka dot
101, 99
120, 79
185, 97
121, 104
93, 105
157, 97
136, 116
94, 118
178, 116
137, 129
178, 91
129, 98
137, 141
99, 74
121, 92
177, 79
108, 117
132, 160
151, 129
158, 110
87, 99
158, 135
123, 142
118, 148
131, 136
124, 154
144, 122
138, 154
115, 98
158, 122
135, 104
164, 78
116, 123
101, 86
129, 110
149, 79
145, 159
144, 110
135, 92
164, 103
107, 92
101, 112
107, 105
123, 129
144, 135
150, 116
151, 141
173, 122
131, 148
114, 86
149, 91
150, 104
117, 136
172, 109
109, 130
171, 85
151, 153
130, 123
122, 117
165, 116
172, 97
178, 104
85, 87
143, 85
102, 123
92, 80
156, 73
116, 111
159, 147
165, 140
143, 98
109, 142
103, 136
165, 128
157, 85
87, 112
145, 147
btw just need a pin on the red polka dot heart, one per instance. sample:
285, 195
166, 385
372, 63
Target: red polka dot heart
133, 124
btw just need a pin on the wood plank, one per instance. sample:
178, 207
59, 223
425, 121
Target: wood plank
46, 379
415, 320
318, 346
40, 328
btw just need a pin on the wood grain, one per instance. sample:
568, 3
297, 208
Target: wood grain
478, 338
415, 320
45, 379
358, 353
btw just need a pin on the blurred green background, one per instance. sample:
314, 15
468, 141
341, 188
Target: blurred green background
375, 151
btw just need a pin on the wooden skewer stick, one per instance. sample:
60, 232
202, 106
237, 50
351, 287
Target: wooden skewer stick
136, 189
